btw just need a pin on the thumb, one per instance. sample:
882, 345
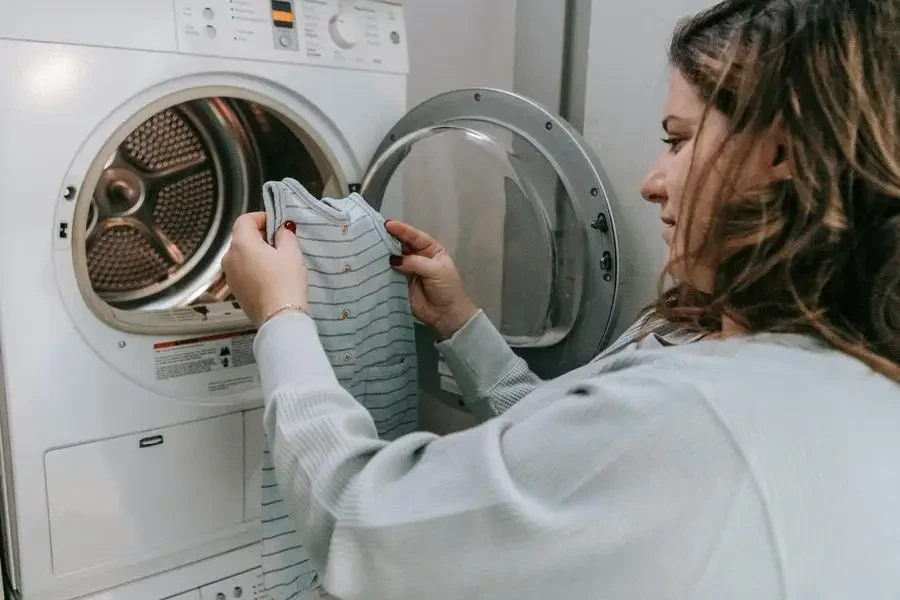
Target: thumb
413, 264
286, 236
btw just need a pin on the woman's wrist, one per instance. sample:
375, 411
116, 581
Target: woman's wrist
455, 320
289, 354
283, 309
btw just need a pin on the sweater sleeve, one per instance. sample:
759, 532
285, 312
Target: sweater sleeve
618, 487
489, 374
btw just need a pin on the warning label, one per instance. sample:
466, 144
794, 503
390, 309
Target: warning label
228, 385
204, 355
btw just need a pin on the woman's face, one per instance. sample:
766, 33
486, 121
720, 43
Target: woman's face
669, 182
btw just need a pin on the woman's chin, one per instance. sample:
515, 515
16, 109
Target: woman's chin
668, 236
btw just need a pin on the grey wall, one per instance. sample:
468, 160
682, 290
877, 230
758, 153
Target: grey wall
624, 88
459, 43
618, 73
456, 44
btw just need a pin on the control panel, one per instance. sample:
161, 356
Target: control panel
357, 34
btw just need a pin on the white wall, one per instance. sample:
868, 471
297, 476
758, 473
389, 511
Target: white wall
455, 44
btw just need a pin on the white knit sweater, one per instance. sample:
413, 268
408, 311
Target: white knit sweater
754, 468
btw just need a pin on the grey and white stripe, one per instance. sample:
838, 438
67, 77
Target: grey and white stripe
361, 310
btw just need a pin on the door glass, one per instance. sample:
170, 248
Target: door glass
498, 205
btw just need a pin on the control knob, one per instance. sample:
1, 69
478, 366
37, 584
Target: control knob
345, 30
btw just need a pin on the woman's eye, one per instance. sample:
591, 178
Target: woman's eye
673, 142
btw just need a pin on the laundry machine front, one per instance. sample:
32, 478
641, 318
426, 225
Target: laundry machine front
133, 135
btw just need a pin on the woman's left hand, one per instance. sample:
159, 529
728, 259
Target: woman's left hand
262, 278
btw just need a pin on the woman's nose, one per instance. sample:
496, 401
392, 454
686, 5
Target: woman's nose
654, 187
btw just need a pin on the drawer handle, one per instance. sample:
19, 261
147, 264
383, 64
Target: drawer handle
149, 442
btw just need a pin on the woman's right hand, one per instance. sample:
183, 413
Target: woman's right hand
436, 293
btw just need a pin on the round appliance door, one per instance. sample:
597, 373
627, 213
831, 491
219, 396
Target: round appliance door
522, 205
145, 218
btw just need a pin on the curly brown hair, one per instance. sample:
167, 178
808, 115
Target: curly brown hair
819, 253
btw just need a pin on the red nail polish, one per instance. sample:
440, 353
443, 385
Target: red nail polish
396, 261
290, 226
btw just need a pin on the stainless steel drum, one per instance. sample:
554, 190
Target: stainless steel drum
162, 211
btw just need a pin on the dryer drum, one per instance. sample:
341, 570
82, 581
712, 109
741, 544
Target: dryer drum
162, 211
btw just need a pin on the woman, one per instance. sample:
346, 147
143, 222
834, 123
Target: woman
759, 462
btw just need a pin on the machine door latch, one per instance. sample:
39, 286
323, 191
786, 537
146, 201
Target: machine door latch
606, 262
63, 230
600, 223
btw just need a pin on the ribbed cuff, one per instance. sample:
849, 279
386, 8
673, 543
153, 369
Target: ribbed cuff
478, 356
289, 353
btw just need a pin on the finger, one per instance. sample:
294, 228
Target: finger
250, 225
286, 237
415, 264
417, 241
226, 263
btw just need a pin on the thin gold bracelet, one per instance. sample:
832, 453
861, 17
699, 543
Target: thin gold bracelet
283, 309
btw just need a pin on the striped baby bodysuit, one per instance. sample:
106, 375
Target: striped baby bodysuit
361, 310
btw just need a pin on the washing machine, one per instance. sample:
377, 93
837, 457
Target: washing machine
133, 135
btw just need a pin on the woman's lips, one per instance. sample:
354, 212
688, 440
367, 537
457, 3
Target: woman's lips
668, 233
